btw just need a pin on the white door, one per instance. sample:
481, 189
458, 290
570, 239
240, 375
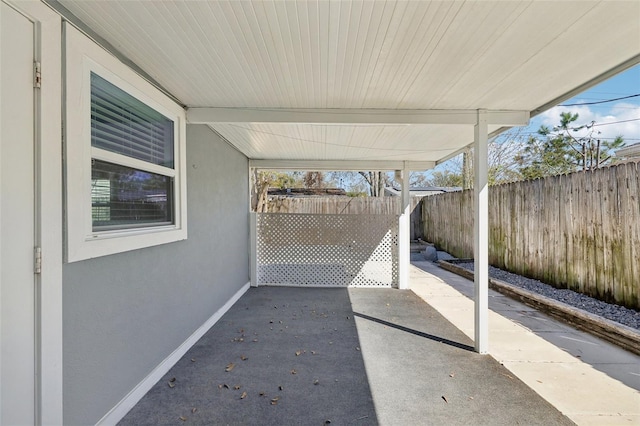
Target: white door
17, 214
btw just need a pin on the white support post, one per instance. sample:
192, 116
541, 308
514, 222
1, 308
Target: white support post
404, 226
253, 247
481, 234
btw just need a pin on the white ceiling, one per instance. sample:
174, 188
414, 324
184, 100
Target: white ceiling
384, 55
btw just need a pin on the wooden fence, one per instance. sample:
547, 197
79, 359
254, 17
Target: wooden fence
579, 231
347, 205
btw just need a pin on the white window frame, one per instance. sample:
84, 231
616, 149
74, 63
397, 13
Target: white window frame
83, 56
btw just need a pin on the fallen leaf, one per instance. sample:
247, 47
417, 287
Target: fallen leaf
357, 348
471, 397
172, 385
237, 387
506, 375
261, 393
298, 353
194, 409
255, 340
173, 379
271, 322
445, 399
538, 381
244, 358
229, 367
243, 396
193, 360
183, 418
280, 387
452, 374
294, 372
313, 352
226, 386
315, 382
274, 401
326, 422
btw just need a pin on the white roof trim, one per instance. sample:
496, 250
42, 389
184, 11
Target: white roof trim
353, 116
340, 165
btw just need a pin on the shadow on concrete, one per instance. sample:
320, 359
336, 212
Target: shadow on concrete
603, 356
301, 356
416, 332
296, 360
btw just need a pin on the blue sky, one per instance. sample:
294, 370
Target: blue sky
617, 118
624, 114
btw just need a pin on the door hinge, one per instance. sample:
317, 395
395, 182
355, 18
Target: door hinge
37, 264
37, 75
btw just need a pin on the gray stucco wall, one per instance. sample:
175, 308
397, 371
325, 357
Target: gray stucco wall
123, 314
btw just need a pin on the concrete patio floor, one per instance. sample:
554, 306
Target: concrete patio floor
588, 379
314, 356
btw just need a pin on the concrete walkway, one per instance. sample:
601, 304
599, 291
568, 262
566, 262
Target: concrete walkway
589, 380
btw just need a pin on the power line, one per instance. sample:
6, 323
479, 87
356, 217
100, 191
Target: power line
616, 122
602, 102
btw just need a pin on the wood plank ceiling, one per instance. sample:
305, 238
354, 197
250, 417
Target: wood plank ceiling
506, 55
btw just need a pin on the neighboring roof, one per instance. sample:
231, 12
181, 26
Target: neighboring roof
298, 192
422, 191
374, 56
628, 152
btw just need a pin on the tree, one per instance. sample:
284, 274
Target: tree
376, 182
313, 180
262, 180
445, 178
566, 148
373, 182
503, 151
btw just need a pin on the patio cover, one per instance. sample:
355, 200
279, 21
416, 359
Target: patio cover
368, 80
368, 85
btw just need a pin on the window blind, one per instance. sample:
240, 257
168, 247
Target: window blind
122, 124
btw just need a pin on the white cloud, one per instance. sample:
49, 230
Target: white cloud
629, 130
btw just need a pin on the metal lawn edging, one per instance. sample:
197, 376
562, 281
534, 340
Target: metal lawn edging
618, 334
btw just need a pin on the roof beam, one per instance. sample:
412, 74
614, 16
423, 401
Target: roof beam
354, 116
340, 165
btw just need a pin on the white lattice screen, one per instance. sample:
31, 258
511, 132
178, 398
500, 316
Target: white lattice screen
325, 250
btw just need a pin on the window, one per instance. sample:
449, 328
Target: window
125, 151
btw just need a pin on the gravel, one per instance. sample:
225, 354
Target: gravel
619, 314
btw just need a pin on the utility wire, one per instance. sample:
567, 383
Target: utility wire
615, 122
602, 102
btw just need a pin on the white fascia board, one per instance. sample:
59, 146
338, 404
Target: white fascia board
353, 116
337, 165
